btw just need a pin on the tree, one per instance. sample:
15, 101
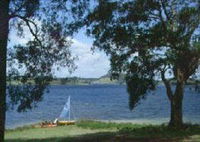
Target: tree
31, 65
147, 39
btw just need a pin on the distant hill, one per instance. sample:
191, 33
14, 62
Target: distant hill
105, 79
86, 81
79, 81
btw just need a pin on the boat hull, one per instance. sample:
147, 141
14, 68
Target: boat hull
60, 123
47, 125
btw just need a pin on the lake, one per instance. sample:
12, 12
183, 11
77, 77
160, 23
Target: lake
105, 102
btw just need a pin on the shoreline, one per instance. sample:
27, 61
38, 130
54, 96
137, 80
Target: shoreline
122, 121
157, 121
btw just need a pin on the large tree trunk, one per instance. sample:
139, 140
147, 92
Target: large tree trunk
176, 107
4, 20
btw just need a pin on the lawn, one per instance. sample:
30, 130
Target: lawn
94, 131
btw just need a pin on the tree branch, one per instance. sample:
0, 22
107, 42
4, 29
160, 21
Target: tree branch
28, 23
162, 20
167, 85
154, 16
165, 10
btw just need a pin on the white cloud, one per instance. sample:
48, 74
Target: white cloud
90, 64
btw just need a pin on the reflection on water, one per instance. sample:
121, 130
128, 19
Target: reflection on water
105, 102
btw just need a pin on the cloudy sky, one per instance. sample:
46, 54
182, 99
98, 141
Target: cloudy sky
89, 64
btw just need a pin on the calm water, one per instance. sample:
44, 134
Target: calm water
105, 102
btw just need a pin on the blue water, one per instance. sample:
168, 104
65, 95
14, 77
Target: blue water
105, 102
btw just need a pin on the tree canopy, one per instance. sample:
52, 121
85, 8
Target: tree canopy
43, 24
148, 40
32, 64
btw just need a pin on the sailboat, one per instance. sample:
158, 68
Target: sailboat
61, 120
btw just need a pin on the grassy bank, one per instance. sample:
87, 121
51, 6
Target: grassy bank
92, 131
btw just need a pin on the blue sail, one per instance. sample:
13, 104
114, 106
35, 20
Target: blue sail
66, 110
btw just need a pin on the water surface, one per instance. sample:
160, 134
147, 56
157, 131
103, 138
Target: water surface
105, 102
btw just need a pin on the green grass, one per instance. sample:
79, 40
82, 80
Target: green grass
94, 131
107, 125
161, 131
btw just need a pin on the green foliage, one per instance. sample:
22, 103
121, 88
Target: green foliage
147, 40
47, 48
138, 89
104, 125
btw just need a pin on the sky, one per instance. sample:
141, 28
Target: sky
90, 64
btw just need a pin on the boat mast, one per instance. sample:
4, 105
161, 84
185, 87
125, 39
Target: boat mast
69, 107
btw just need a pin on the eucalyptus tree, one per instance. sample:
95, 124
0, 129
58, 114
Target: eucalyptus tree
148, 40
43, 25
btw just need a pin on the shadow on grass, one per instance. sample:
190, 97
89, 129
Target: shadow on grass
99, 137
94, 137
149, 133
